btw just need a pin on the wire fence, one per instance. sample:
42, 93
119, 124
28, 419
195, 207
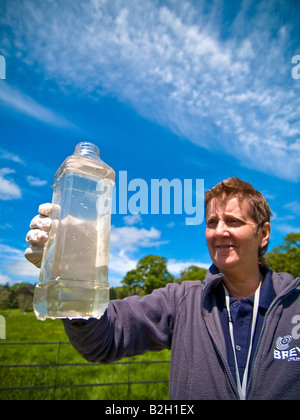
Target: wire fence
60, 364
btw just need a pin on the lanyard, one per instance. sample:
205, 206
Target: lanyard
242, 386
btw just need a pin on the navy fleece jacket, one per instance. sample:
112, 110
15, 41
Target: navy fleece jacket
185, 319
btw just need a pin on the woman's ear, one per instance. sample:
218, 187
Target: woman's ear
265, 232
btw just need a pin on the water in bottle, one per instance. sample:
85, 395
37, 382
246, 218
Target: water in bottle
73, 281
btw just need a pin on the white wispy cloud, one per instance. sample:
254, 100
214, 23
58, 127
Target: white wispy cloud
125, 242
294, 207
9, 190
132, 219
131, 238
14, 98
171, 61
5, 279
4, 154
176, 266
120, 263
36, 182
286, 228
14, 267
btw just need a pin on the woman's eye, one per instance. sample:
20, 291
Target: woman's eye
234, 222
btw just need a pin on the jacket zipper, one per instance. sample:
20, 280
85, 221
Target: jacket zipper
275, 302
233, 386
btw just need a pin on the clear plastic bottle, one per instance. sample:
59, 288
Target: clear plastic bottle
73, 280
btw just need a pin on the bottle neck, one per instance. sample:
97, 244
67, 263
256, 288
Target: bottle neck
88, 150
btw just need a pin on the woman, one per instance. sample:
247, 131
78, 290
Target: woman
233, 337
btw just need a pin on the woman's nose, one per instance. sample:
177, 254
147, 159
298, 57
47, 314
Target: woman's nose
221, 229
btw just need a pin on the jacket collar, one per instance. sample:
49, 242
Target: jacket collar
212, 279
282, 283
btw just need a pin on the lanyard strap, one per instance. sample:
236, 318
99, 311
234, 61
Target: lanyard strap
242, 386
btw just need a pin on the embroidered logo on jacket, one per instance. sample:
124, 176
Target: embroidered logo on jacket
284, 351
283, 343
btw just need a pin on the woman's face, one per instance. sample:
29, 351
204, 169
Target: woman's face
232, 235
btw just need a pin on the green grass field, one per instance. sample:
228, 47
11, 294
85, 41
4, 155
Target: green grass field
26, 329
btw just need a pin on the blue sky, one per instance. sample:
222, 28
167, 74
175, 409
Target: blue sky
167, 89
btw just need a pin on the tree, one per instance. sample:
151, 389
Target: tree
24, 297
116, 293
132, 282
193, 272
286, 257
151, 273
19, 295
4, 297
